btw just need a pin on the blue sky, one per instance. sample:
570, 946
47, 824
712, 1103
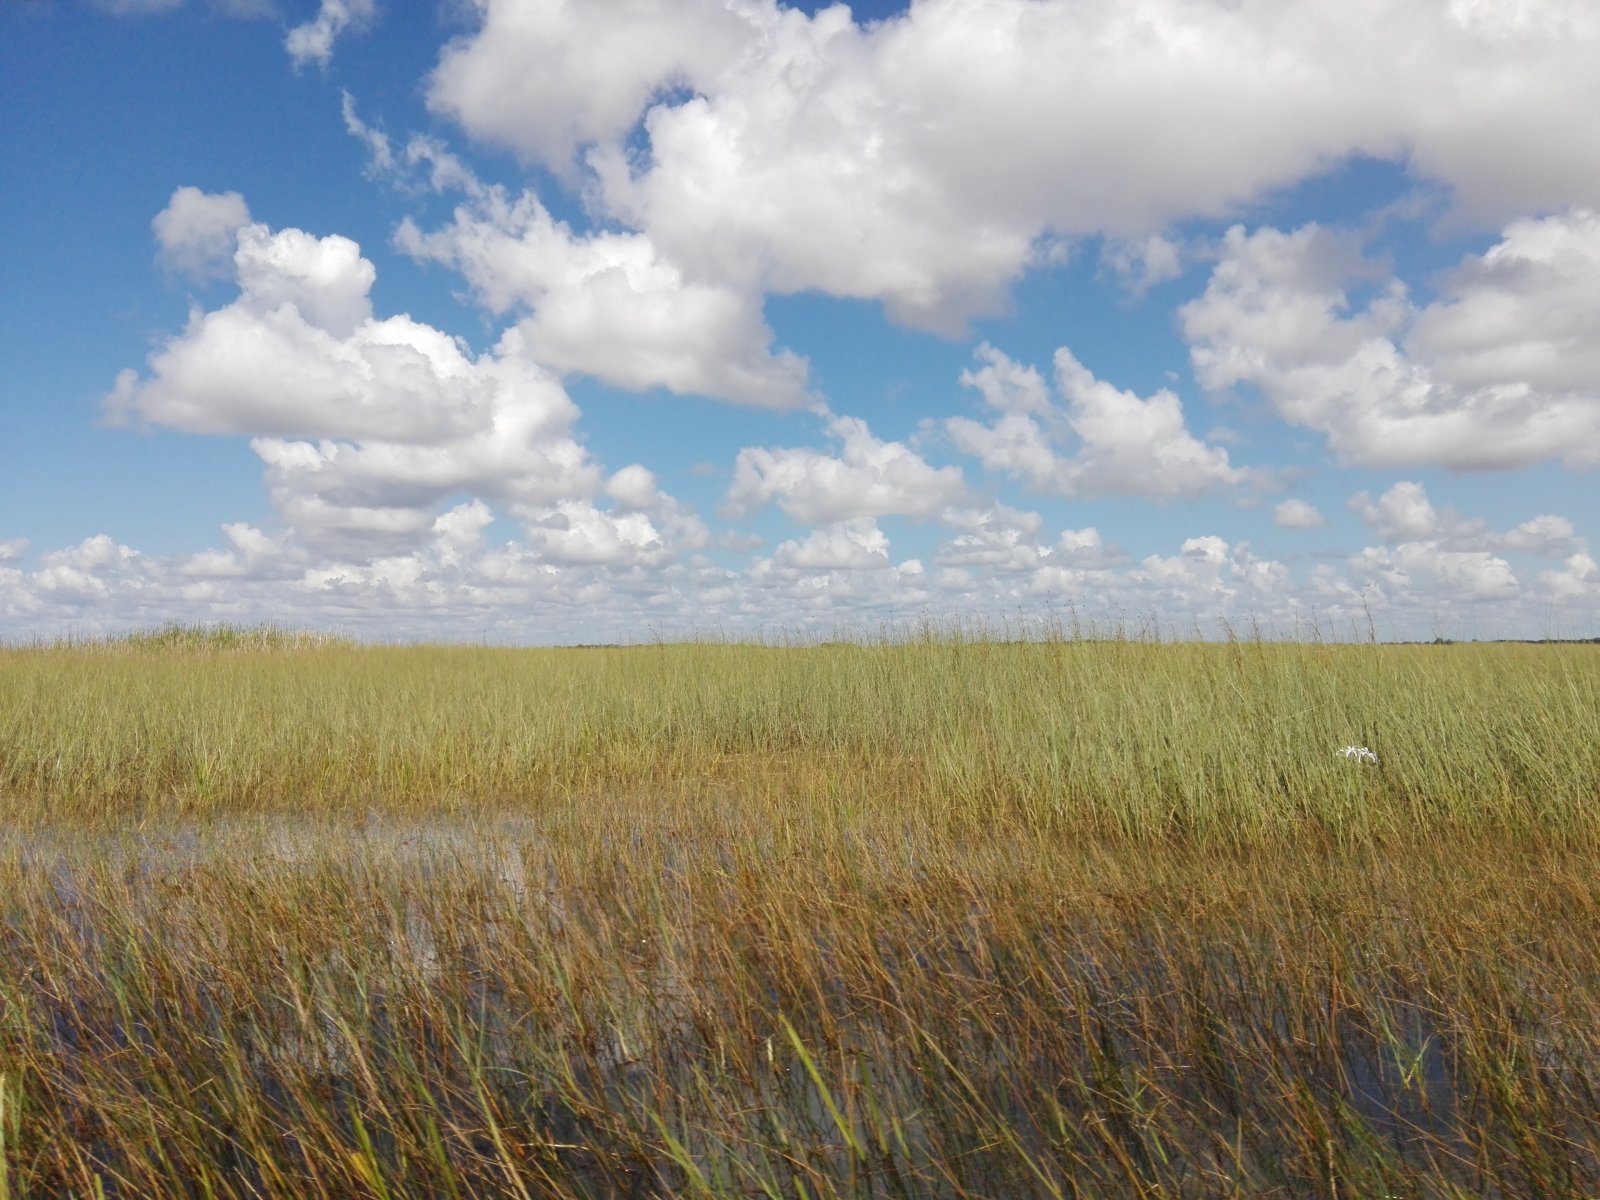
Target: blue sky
553, 322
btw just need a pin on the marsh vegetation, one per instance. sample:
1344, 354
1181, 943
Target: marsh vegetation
951, 916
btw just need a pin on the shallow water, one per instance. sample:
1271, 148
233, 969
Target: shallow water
1404, 1088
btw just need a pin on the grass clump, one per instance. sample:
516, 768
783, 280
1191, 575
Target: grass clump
947, 918
201, 638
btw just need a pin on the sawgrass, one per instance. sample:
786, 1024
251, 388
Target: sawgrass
942, 917
1231, 742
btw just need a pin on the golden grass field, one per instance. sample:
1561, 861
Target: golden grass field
944, 916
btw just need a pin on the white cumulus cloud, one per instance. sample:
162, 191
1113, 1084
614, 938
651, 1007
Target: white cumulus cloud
1098, 440
1405, 514
1296, 514
867, 478
1500, 372
996, 538
197, 231
575, 531
928, 159
611, 306
844, 546
1139, 264
312, 41
366, 424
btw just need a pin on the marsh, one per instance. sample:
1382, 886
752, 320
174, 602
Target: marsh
940, 919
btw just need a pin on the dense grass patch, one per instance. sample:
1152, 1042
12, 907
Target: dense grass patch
941, 918
1232, 742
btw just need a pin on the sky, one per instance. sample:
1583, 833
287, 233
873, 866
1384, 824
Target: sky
545, 322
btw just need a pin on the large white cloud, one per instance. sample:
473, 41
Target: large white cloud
844, 546
1578, 579
575, 531
1524, 317
835, 576
550, 76
366, 425
1433, 556
197, 231
1427, 568
299, 354
867, 478
920, 160
996, 538
250, 553
1295, 513
325, 280
96, 570
1100, 440
1499, 372
1405, 515
388, 491
609, 305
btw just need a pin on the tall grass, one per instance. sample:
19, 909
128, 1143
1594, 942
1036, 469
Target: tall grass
951, 917
1232, 742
